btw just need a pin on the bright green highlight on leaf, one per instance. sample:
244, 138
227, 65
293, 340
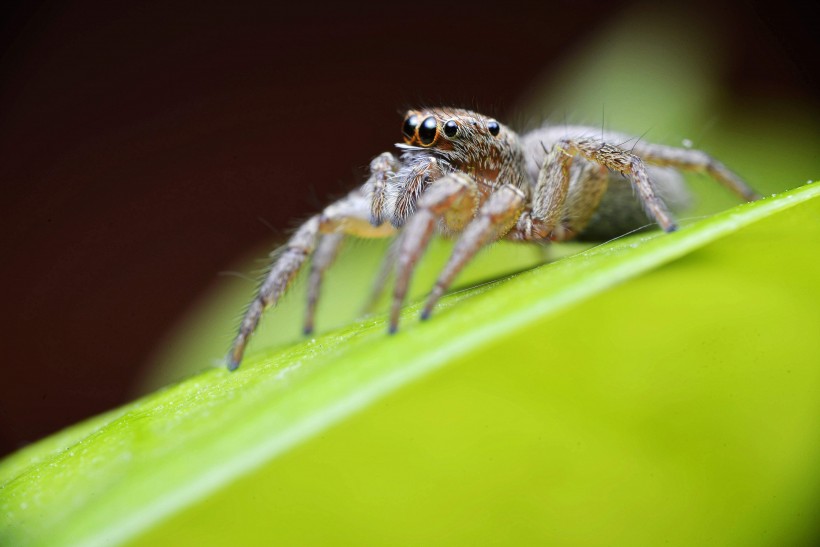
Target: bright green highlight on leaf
677, 406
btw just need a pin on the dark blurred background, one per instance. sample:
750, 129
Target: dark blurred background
141, 143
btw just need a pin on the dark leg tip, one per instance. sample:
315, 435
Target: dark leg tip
425, 314
392, 329
233, 364
308, 330
671, 228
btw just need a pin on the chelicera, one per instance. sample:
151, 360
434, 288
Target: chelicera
466, 176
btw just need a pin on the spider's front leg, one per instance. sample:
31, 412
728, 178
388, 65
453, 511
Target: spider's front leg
452, 199
348, 216
382, 168
494, 219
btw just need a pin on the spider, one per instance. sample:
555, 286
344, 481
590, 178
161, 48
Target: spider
465, 175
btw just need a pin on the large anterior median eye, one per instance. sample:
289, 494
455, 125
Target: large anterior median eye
428, 131
411, 122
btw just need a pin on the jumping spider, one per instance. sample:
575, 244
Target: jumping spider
463, 174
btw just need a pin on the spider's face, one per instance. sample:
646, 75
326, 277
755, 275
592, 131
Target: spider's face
449, 130
472, 143
441, 141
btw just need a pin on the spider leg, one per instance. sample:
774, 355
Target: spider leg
381, 168
495, 218
323, 258
587, 187
551, 189
565, 197
350, 215
696, 161
284, 269
616, 159
386, 268
453, 199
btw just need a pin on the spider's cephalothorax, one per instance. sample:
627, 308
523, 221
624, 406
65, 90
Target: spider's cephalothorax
467, 176
441, 141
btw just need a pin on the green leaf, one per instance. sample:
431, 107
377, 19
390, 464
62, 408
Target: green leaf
657, 388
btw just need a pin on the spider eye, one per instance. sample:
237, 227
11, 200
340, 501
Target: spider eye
428, 131
450, 128
409, 127
493, 127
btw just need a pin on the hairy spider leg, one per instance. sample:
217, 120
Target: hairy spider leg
614, 158
565, 197
569, 215
385, 270
695, 161
495, 218
349, 216
452, 199
323, 257
382, 168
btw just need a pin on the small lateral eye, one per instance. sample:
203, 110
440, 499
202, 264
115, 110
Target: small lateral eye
428, 131
409, 127
450, 128
493, 127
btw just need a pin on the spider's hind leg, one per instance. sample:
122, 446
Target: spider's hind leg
606, 155
686, 159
